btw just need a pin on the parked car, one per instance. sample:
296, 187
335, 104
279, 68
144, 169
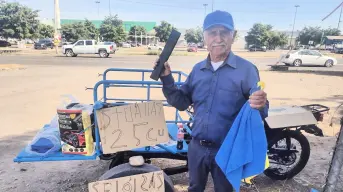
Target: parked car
192, 48
155, 47
44, 44
308, 57
110, 43
126, 45
4, 43
87, 47
257, 48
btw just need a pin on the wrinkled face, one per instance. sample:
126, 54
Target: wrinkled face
218, 40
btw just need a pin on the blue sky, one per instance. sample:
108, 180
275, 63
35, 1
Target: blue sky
190, 13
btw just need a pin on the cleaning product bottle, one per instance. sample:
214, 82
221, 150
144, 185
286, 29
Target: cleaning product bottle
180, 137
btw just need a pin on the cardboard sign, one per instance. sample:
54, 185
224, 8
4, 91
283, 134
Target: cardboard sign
132, 126
146, 182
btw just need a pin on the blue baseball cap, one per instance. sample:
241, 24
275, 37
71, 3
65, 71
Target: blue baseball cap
219, 18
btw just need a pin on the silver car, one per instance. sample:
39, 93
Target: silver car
308, 57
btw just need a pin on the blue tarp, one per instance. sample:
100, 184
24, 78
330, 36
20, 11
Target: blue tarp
243, 152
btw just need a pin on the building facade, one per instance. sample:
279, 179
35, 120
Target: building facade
149, 26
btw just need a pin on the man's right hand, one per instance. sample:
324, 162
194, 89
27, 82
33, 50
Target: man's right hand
167, 69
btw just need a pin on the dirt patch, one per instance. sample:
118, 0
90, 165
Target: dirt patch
30, 98
4, 67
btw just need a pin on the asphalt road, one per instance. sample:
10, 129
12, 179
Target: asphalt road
132, 61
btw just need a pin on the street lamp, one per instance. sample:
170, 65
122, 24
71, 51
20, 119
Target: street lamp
295, 15
109, 6
205, 8
212, 4
98, 2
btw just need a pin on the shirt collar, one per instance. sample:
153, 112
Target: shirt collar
230, 60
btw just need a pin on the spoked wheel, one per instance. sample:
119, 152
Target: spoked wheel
297, 62
288, 155
329, 63
103, 54
69, 53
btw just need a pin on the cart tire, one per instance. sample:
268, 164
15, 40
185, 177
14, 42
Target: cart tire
126, 169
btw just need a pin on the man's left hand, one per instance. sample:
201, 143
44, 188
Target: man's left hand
258, 99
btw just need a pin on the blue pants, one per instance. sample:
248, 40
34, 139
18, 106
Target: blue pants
201, 161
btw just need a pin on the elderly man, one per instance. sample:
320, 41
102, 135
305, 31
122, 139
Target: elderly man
218, 87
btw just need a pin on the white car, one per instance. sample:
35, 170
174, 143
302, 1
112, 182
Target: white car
87, 47
126, 45
308, 57
155, 47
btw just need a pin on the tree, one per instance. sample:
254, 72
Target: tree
315, 34
112, 29
194, 35
163, 31
276, 39
91, 31
138, 30
74, 31
18, 21
264, 35
45, 31
258, 34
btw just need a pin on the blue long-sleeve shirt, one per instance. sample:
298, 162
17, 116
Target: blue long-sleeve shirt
217, 96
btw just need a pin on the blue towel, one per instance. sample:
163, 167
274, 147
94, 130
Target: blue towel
243, 152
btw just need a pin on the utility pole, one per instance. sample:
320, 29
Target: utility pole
57, 25
109, 6
295, 15
205, 5
339, 20
98, 2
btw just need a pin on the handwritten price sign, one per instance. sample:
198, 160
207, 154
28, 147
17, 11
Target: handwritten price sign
132, 126
147, 182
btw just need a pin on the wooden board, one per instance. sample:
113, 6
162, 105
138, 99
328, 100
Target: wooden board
132, 126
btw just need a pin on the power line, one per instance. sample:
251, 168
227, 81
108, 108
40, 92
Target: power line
199, 8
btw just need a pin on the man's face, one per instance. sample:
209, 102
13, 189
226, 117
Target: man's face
218, 40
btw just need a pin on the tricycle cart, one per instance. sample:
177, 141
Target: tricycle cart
120, 166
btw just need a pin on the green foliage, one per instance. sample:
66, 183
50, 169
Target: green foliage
263, 35
74, 31
91, 31
139, 30
194, 35
112, 29
276, 39
18, 21
152, 53
315, 34
163, 31
258, 34
45, 31
80, 30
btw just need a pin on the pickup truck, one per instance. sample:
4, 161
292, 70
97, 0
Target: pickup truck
87, 47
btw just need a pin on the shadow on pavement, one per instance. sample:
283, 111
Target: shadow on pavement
44, 176
84, 56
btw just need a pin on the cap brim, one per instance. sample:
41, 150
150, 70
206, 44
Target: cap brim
229, 27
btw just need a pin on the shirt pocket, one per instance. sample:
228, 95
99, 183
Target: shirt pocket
227, 101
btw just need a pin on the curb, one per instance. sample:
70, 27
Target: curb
8, 51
